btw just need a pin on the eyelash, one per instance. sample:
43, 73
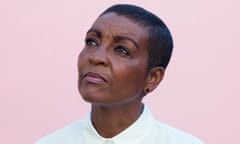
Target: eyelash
122, 50
90, 42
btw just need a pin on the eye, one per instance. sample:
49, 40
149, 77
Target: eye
90, 42
122, 50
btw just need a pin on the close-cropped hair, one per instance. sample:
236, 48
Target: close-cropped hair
160, 40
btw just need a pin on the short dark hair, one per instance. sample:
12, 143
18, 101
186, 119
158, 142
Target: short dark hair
160, 40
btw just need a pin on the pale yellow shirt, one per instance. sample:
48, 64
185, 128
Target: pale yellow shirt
146, 130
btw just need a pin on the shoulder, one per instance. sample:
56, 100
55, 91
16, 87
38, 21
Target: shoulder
69, 133
173, 135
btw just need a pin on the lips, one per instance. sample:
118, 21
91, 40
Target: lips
92, 77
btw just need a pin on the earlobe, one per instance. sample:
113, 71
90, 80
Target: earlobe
155, 76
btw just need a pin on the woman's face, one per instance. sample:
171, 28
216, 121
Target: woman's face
113, 64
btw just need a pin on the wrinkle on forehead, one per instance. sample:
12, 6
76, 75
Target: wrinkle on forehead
117, 25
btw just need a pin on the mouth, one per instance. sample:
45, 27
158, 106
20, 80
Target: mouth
94, 78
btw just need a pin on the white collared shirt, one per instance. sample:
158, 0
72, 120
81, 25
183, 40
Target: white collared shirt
146, 130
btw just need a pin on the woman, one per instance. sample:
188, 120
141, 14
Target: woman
126, 52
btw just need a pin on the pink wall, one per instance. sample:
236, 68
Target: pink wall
40, 41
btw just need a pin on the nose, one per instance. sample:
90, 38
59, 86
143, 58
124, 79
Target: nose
99, 57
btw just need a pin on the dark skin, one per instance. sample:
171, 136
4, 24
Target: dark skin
113, 74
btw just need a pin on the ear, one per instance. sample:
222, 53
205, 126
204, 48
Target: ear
155, 76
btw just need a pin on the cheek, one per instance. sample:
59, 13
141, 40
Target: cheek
81, 60
131, 77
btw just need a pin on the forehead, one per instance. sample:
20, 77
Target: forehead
111, 24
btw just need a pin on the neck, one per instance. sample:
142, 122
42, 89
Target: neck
110, 121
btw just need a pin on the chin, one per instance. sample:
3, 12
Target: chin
93, 99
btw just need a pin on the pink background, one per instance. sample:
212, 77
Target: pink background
40, 41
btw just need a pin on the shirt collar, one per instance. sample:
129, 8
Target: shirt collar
133, 134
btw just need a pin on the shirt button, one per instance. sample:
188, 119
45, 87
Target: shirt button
108, 142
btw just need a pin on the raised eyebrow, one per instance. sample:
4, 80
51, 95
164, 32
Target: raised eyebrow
117, 38
97, 32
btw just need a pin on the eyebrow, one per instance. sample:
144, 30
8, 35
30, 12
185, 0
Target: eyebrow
97, 32
116, 38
